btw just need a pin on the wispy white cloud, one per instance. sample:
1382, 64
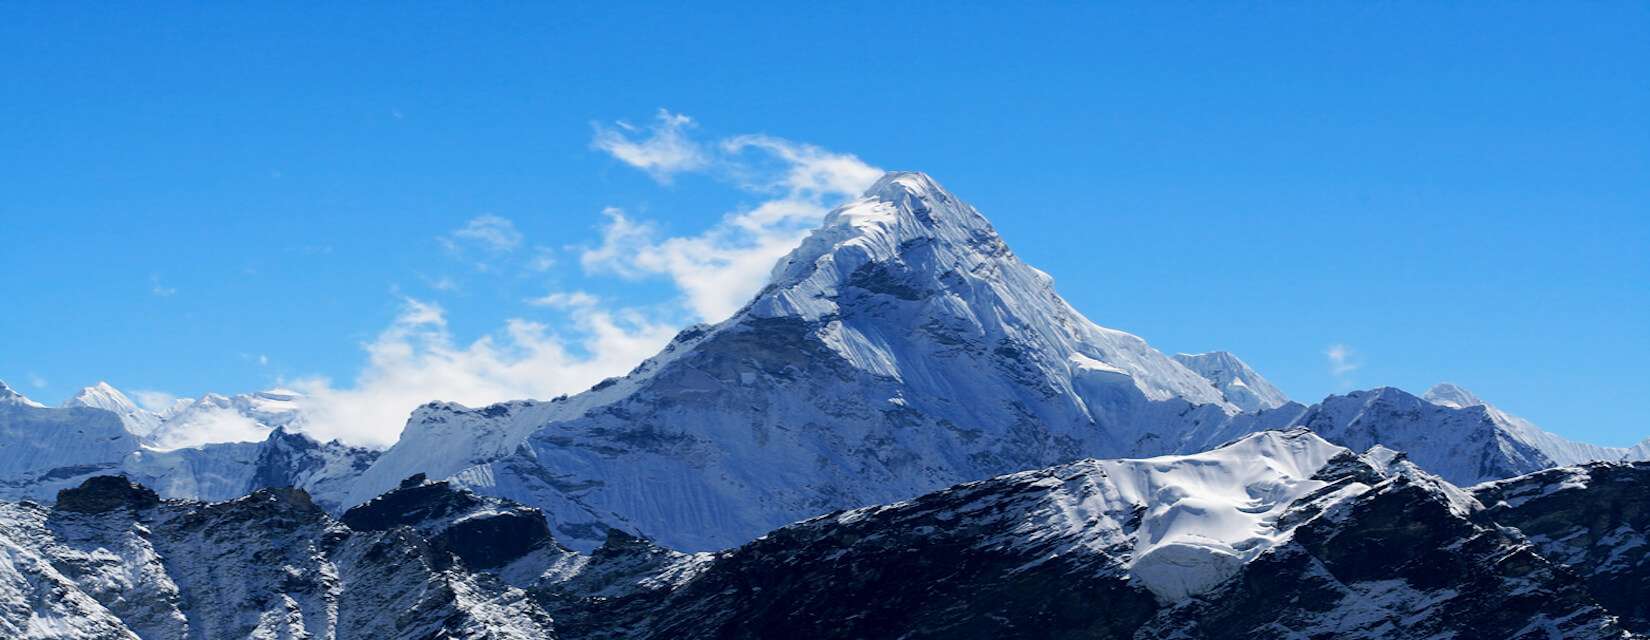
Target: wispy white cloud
542, 260
566, 300
489, 232
36, 381
662, 149
806, 170
159, 289
156, 401
208, 424
623, 240
718, 269
418, 360
444, 284
1342, 362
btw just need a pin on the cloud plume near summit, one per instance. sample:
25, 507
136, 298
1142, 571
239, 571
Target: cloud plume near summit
418, 358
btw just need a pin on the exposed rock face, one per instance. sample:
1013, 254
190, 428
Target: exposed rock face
325, 469
106, 493
114, 561
1400, 560
609, 592
1593, 518
486, 533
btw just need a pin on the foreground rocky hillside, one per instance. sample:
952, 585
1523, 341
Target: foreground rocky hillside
113, 560
1279, 534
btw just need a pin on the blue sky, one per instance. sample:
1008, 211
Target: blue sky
383, 202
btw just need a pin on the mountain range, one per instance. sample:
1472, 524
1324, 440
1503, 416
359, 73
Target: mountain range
1028, 464
100, 431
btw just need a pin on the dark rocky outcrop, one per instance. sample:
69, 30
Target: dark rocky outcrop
100, 494
112, 560
485, 533
1595, 519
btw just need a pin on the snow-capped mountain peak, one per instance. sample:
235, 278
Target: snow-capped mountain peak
1241, 385
900, 348
10, 396
909, 253
211, 418
1557, 449
1452, 395
102, 396
139, 421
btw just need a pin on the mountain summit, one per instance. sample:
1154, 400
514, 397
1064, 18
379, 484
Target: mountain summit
901, 348
1239, 384
9, 396
1558, 450
909, 255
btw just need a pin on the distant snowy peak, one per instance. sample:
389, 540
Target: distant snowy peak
1452, 395
1562, 451
102, 396
1241, 385
9, 396
211, 418
139, 421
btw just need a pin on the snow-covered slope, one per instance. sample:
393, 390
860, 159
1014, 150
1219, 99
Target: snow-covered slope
901, 348
1464, 445
1560, 450
1240, 385
1464, 442
139, 421
39, 444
